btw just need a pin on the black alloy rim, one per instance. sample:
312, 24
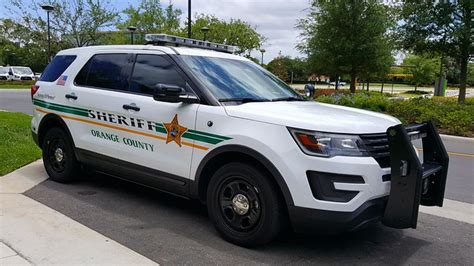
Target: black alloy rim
231, 190
57, 165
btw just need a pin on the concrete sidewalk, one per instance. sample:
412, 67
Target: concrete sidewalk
34, 234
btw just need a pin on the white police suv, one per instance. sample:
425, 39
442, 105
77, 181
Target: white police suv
190, 118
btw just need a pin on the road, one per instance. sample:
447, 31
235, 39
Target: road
16, 100
171, 230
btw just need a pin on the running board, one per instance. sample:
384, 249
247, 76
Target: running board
414, 183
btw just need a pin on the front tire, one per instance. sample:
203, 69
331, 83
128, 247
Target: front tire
58, 156
244, 205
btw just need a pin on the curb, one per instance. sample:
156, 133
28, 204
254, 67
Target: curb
457, 139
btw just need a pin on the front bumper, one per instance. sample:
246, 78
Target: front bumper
306, 220
395, 203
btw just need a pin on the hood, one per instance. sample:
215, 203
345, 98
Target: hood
311, 115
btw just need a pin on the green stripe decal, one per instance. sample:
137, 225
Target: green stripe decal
189, 134
196, 135
208, 134
61, 108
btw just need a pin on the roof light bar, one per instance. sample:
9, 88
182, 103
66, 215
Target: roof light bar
164, 39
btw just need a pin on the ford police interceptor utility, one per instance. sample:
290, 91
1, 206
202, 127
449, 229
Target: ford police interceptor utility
190, 118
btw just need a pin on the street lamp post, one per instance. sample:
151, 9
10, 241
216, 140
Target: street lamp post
189, 19
131, 29
48, 8
262, 51
205, 30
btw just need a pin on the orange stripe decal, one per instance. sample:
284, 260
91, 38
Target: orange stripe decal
185, 143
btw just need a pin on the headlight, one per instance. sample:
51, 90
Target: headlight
328, 145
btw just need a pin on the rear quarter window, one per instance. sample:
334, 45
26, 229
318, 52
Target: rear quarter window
59, 64
108, 71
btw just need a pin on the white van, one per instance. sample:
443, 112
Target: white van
21, 73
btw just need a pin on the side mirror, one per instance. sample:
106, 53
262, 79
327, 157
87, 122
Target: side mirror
173, 94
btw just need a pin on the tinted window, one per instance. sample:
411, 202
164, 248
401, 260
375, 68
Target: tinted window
57, 67
237, 79
150, 70
109, 71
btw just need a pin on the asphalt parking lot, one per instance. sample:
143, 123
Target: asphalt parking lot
171, 230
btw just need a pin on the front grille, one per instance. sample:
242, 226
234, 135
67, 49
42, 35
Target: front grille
377, 145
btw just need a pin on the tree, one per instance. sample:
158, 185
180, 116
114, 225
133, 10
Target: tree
21, 45
233, 32
75, 22
279, 67
423, 67
289, 69
347, 37
470, 76
151, 17
439, 27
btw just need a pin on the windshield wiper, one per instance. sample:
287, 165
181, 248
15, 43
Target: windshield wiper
243, 100
291, 98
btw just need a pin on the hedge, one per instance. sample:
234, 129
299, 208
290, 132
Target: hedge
449, 116
17, 82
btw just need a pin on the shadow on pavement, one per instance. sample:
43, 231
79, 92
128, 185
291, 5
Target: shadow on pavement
169, 229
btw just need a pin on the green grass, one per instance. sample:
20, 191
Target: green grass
16, 144
14, 86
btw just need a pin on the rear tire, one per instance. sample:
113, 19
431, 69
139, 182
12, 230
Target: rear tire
58, 156
244, 205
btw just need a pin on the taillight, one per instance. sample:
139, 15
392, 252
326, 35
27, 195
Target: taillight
34, 89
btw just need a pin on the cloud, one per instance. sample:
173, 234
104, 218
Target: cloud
275, 19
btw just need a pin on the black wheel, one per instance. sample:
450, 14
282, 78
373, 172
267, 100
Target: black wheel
244, 205
58, 156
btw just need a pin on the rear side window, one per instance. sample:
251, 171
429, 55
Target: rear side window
150, 70
59, 64
108, 71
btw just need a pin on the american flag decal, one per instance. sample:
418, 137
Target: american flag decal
62, 80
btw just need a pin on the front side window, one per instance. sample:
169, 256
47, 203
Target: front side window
108, 71
59, 64
239, 80
150, 70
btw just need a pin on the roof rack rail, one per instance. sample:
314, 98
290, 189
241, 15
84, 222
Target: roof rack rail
165, 39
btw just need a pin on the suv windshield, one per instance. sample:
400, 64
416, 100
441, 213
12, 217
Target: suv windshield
239, 80
3, 70
22, 70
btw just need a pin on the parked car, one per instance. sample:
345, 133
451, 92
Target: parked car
341, 83
195, 120
4, 73
21, 73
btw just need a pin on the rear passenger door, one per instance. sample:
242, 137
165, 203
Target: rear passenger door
124, 121
101, 89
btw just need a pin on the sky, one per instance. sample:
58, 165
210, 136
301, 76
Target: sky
274, 19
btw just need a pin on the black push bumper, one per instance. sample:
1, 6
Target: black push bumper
412, 183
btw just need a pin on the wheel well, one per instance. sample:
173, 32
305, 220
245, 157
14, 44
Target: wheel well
232, 156
48, 122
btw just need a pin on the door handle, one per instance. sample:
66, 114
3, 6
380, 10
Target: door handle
131, 106
71, 96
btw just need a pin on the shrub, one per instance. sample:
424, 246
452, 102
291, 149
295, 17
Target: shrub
449, 116
417, 92
17, 82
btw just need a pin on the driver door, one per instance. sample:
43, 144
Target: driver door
166, 149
